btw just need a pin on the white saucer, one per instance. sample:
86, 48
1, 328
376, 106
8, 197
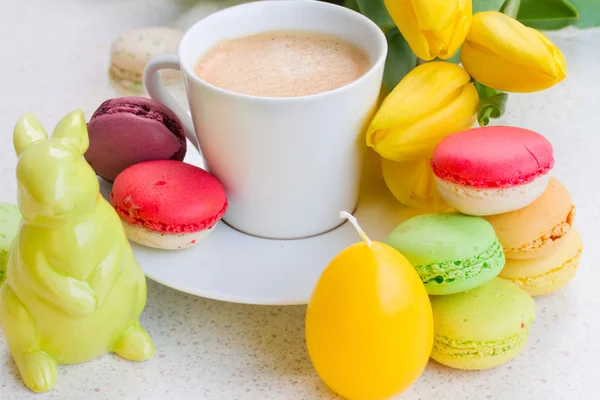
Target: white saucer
232, 266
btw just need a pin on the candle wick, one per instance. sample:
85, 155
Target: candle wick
354, 222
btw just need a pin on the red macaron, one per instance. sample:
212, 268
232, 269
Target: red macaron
492, 170
493, 157
168, 204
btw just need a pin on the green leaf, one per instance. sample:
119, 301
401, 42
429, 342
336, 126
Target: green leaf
351, 4
547, 14
492, 103
400, 59
556, 14
376, 11
511, 8
589, 13
486, 5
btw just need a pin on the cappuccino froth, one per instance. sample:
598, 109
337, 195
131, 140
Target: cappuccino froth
282, 64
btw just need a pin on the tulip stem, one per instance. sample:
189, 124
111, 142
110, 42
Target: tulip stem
511, 8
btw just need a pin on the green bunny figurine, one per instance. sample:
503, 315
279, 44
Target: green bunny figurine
73, 289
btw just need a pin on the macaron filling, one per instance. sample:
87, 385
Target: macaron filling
489, 201
452, 271
536, 186
135, 79
128, 212
445, 175
118, 73
474, 349
161, 240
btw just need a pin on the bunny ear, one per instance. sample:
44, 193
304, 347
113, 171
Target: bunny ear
28, 131
73, 128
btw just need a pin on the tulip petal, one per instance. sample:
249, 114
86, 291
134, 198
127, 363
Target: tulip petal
560, 65
421, 137
404, 16
434, 15
502, 53
431, 102
500, 34
504, 74
419, 93
461, 28
433, 28
413, 184
439, 20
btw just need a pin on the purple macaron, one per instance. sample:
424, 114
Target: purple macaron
129, 130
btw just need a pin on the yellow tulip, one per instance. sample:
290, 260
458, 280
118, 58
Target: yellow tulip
413, 184
432, 28
432, 101
504, 54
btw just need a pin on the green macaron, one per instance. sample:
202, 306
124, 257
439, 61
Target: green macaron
451, 252
9, 224
481, 328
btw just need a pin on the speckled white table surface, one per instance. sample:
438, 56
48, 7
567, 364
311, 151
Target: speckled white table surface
54, 59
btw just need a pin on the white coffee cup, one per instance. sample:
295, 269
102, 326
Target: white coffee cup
288, 165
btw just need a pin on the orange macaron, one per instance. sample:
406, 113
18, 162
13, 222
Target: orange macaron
536, 230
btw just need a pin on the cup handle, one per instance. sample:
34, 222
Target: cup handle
157, 91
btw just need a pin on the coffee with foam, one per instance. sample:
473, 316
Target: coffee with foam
282, 64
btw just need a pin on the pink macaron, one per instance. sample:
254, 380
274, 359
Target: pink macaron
492, 170
168, 204
128, 130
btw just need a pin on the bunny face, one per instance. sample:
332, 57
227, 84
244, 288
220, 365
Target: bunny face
54, 180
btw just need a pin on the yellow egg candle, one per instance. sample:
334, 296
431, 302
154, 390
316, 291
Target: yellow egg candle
369, 325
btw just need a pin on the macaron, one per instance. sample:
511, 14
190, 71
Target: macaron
539, 228
10, 217
168, 204
131, 51
492, 170
451, 252
127, 130
481, 328
549, 273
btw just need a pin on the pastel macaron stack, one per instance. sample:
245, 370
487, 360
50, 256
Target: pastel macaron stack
504, 174
480, 321
511, 238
